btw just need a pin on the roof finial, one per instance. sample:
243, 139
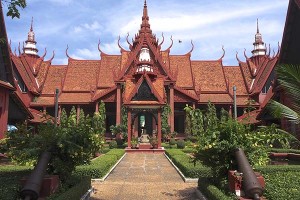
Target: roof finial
145, 26
257, 28
31, 27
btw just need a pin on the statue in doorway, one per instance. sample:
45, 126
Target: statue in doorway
144, 138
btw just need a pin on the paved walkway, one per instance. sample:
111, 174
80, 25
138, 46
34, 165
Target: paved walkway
144, 176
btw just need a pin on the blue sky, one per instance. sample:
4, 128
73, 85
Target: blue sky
210, 24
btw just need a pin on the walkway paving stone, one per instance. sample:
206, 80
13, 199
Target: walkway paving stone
144, 176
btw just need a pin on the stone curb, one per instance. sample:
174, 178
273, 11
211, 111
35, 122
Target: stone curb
186, 180
106, 175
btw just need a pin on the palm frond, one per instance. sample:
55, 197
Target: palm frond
279, 110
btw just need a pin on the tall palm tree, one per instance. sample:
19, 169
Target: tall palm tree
288, 77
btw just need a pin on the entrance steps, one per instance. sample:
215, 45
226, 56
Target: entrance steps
145, 149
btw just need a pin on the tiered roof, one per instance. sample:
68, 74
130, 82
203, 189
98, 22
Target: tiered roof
86, 81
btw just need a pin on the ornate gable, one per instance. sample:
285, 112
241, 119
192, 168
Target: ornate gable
145, 56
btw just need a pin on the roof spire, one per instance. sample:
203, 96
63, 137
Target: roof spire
145, 26
30, 43
259, 45
31, 29
257, 28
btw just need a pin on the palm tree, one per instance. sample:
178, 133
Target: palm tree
288, 77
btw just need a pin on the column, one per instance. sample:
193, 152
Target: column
129, 127
159, 127
194, 105
172, 107
44, 110
78, 113
97, 107
118, 108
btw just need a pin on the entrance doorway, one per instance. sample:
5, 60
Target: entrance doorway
145, 123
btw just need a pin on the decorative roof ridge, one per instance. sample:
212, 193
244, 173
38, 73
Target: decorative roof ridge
99, 49
186, 92
216, 61
221, 58
103, 93
130, 45
121, 48
32, 85
190, 52
244, 76
168, 49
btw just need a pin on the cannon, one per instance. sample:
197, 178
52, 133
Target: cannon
32, 187
250, 183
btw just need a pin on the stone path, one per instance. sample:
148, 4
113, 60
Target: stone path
144, 176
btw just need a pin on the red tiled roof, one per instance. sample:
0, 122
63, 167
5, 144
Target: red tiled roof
235, 77
40, 117
41, 75
209, 76
182, 65
6, 85
81, 75
249, 118
263, 75
54, 78
78, 97
102, 92
42, 100
109, 65
215, 98
246, 73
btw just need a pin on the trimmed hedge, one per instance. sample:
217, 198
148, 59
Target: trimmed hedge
211, 192
101, 165
81, 186
10, 177
186, 166
282, 181
284, 150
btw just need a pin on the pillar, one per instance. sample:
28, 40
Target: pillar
78, 113
172, 107
118, 107
97, 107
44, 110
194, 105
159, 127
129, 127
4, 103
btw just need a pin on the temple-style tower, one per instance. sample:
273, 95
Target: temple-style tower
30, 43
259, 45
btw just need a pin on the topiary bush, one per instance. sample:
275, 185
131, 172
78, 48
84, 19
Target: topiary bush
74, 188
180, 144
10, 177
101, 165
113, 144
172, 141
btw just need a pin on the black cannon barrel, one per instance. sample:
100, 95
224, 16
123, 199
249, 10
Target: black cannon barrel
251, 185
33, 184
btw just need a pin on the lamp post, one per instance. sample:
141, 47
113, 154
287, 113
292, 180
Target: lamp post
56, 106
234, 102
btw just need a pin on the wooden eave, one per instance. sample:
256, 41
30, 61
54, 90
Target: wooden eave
186, 93
102, 94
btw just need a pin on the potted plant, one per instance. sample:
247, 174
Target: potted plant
154, 142
134, 143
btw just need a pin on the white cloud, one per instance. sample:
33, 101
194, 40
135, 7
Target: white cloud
210, 24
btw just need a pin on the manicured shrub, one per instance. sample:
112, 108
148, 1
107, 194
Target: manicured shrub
119, 141
211, 192
284, 150
10, 177
101, 165
113, 144
77, 187
282, 181
180, 144
186, 164
172, 141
